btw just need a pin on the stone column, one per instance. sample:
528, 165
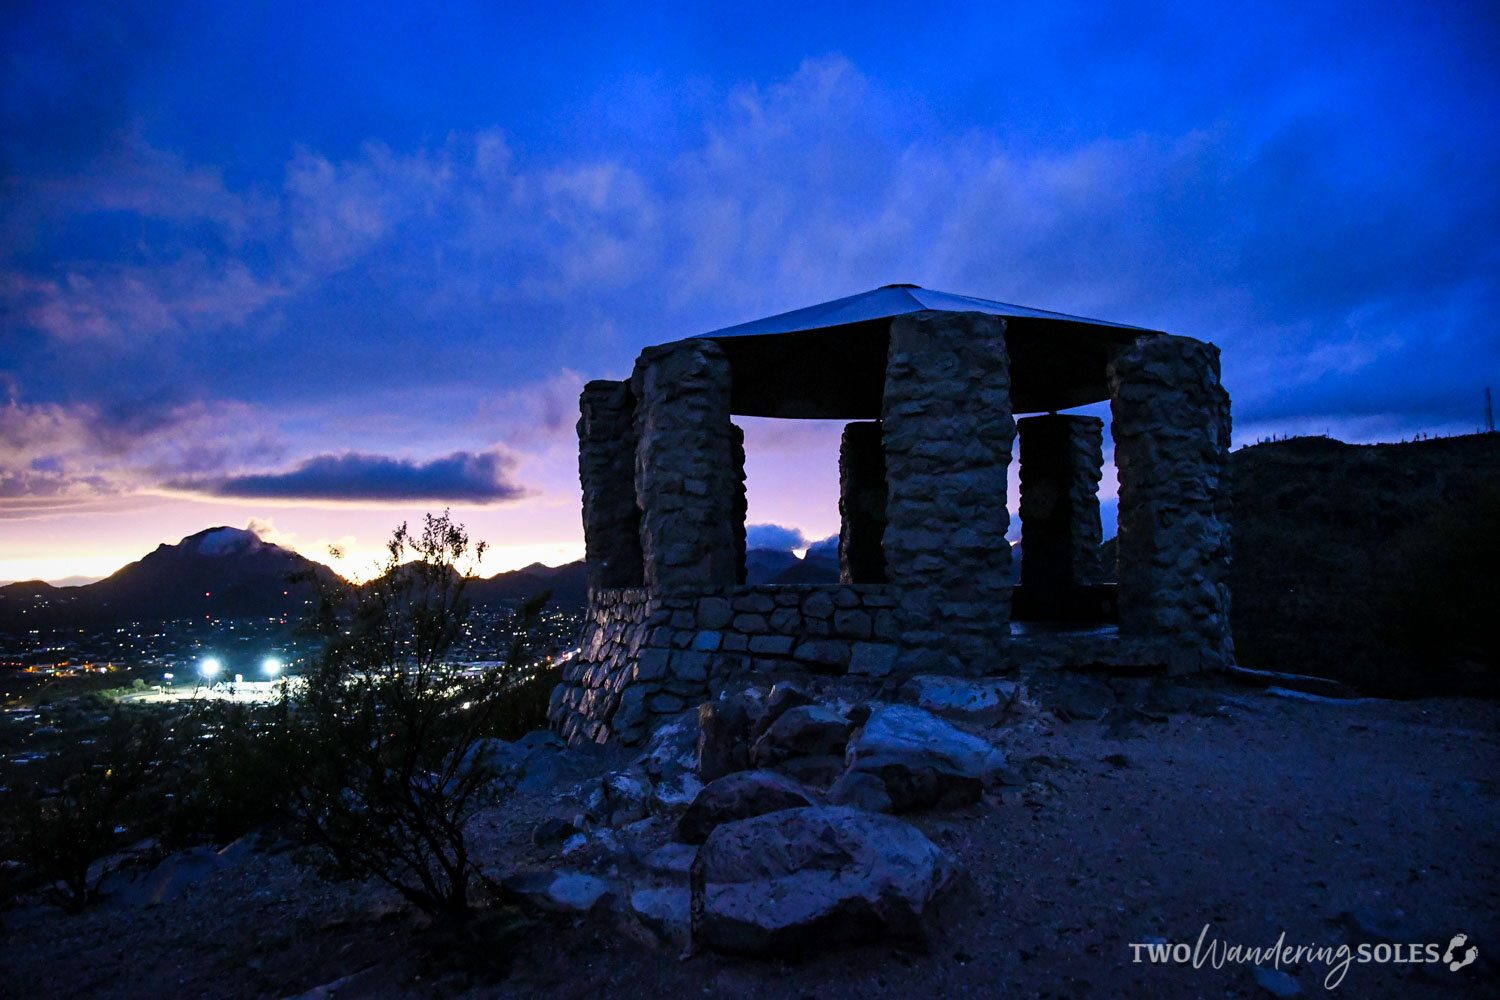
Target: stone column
606, 468
741, 499
948, 432
686, 468
862, 498
1062, 461
1171, 433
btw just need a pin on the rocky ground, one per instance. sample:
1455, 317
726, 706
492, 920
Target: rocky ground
1111, 814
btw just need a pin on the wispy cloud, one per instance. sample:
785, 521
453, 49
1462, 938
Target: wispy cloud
54, 455
773, 536
463, 287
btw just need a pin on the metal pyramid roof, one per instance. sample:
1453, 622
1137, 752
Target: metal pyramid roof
896, 300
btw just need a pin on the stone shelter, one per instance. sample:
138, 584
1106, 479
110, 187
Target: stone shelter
932, 386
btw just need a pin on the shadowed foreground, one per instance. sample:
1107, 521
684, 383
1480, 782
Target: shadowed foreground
1331, 822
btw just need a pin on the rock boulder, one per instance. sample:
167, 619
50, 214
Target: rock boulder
959, 697
798, 879
922, 760
804, 731
739, 796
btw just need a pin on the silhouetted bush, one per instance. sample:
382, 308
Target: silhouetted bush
230, 774
376, 756
387, 768
522, 707
64, 816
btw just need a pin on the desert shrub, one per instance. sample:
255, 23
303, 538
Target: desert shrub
66, 815
523, 706
387, 763
230, 772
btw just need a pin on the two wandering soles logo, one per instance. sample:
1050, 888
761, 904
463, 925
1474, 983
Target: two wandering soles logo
1216, 953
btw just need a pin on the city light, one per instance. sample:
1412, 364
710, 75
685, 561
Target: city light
271, 666
210, 666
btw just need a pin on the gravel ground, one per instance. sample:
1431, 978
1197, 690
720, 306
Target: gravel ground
1254, 814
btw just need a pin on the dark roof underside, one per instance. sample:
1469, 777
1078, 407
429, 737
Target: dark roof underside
828, 361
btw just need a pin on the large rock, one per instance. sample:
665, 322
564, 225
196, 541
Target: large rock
959, 697
670, 762
922, 760
814, 772
673, 748
171, 877
862, 790
559, 892
782, 697
672, 795
618, 798
670, 859
663, 914
1073, 697
531, 763
804, 731
739, 796
799, 879
723, 737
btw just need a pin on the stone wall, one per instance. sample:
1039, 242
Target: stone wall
740, 499
603, 692
1171, 435
688, 473
862, 500
948, 434
606, 469
926, 565
643, 657
1062, 461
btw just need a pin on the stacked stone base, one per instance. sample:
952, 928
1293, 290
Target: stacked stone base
643, 657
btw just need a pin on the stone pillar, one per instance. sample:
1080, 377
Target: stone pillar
948, 431
861, 504
741, 499
685, 468
1171, 433
606, 468
1062, 461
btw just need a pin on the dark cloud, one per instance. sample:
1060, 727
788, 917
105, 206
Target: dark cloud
824, 547
775, 537
462, 477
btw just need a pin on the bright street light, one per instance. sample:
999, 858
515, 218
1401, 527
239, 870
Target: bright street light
210, 666
271, 666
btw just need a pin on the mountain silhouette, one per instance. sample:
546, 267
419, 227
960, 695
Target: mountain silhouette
231, 573
220, 572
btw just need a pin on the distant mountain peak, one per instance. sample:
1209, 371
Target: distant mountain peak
223, 541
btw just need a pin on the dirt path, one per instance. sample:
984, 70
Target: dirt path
1332, 823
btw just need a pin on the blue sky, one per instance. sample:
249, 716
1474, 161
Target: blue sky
320, 269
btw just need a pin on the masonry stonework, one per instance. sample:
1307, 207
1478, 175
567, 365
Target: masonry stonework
686, 467
925, 565
643, 657
741, 500
862, 502
948, 431
1171, 434
606, 468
